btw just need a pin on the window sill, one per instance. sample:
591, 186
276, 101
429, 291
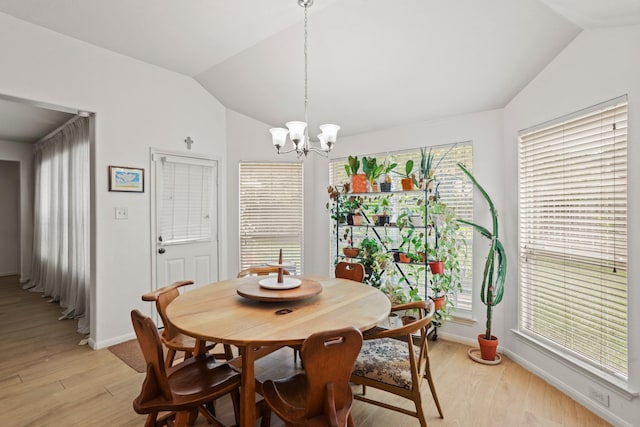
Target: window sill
615, 384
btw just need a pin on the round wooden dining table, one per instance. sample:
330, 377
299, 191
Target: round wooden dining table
216, 312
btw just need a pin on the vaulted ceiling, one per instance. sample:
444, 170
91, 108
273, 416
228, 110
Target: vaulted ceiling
372, 63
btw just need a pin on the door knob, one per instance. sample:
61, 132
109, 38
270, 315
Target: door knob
161, 250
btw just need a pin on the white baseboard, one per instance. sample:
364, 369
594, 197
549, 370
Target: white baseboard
99, 345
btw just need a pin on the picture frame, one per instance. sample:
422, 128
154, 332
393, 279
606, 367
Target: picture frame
126, 179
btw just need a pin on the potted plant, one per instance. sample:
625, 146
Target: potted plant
495, 270
352, 206
372, 257
388, 166
426, 171
349, 251
372, 171
438, 292
358, 180
383, 213
427, 168
408, 177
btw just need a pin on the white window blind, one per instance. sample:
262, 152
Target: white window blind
186, 204
455, 190
271, 213
573, 235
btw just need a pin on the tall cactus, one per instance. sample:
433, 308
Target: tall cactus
495, 267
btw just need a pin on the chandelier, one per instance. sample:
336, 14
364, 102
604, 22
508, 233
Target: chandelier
298, 132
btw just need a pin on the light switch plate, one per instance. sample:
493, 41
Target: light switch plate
122, 213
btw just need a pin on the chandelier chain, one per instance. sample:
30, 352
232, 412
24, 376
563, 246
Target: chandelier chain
298, 131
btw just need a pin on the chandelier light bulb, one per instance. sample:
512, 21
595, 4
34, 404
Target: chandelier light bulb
279, 137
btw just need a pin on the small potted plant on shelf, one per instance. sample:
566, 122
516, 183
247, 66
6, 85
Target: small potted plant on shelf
349, 251
388, 167
408, 177
428, 168
495, 270
372, 171
358, 180
353, 206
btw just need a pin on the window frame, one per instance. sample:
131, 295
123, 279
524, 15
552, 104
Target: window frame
551, 346
275, 181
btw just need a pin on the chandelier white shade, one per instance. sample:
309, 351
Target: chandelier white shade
298, 132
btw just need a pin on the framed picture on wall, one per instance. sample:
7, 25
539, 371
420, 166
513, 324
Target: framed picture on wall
126, 179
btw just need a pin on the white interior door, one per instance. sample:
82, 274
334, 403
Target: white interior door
185, 231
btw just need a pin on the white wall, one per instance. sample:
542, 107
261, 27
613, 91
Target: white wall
250, 141
9, 218
485, 131
137, 106
597, 66
23, 154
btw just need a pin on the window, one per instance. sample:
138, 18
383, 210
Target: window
187, 199
455, 190
573, 235
271, 214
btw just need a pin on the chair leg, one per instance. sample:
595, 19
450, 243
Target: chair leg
211, 407
265, 412
235, 400
151, 420
193, 415
168, 361
228, 352
182, 418
432, 387
419, 411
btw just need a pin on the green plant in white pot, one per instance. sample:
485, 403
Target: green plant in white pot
495, 270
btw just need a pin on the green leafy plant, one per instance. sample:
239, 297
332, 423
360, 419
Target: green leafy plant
428, 169
426, 163
372, 169
388, 166
372, 256
353, 165
336, 204
495, 267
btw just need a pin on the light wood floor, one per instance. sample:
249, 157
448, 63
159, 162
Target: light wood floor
47, 379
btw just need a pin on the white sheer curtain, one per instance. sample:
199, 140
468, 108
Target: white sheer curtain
61, 221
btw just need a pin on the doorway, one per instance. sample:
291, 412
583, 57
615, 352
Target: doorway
184, 198
9, 218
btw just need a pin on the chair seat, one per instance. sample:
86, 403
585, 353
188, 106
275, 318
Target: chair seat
182, 342
385, 360
197, 375
191, 383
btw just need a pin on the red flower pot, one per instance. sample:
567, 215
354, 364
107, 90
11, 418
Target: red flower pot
436, 267
407, 184
438, 302
404, 258
488, 347
359, 183
350, 252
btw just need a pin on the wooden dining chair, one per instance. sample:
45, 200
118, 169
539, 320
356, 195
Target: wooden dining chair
184, 389
172, 339
395, 361
262, 270
344, 270
321, 396
350, 270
